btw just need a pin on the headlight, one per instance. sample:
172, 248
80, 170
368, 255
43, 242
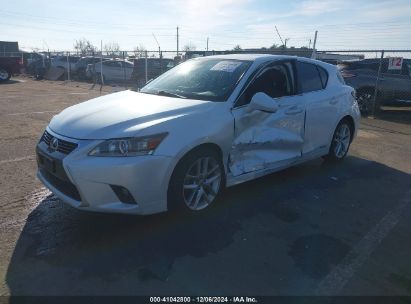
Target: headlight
131, 146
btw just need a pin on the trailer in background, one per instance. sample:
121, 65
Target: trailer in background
10, 60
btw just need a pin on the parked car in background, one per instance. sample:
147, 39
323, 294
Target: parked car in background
208, 123
113, 70
38, 66
30, 57
155, 67
80, 67
9, 65
392, 86
65, 63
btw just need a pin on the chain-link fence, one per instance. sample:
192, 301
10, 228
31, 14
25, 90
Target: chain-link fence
125, 68
380, 77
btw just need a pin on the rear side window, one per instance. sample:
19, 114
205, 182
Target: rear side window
323, 76
309, 77
114, 64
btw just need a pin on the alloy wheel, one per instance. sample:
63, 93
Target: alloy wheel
342, 140
202, 183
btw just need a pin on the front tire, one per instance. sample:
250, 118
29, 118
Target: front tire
196, 182
341, 141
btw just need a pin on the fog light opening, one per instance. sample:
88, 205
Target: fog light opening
123, 195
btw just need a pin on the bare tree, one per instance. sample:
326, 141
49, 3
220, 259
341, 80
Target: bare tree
112, 49
237, 48
84, 47
275, 46
140, 51
189, 47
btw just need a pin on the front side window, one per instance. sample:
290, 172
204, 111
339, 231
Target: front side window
309, 77
203, 78
276, 82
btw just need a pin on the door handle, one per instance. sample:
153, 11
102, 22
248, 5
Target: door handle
333, 101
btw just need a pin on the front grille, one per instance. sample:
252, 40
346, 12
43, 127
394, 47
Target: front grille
63, 186
64, 146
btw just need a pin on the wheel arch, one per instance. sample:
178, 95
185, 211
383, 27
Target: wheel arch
203, 146
351, 123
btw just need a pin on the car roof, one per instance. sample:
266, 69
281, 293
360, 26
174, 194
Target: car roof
250, 57
261, 58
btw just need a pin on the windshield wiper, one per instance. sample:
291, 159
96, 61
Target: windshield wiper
169, 94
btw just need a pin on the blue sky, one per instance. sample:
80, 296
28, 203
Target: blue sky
349, 24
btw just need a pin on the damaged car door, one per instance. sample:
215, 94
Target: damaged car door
269, 121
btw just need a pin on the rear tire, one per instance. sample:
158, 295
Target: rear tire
365, 100
4, 74
341, 141
196, 182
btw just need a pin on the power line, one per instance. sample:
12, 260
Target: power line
81, 23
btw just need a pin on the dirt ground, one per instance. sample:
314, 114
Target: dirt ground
315, 229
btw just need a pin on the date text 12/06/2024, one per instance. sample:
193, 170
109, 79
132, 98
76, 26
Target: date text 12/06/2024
203, 300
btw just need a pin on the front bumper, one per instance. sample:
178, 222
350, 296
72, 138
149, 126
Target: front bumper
85, 182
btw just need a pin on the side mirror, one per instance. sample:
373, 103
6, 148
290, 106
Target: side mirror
262, 102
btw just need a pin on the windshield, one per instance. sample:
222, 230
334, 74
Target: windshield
203, 78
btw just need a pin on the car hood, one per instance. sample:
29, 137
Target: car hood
121, 114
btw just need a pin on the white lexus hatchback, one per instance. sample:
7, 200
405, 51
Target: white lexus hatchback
208, 123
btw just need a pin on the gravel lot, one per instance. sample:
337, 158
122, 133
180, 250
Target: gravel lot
317, 228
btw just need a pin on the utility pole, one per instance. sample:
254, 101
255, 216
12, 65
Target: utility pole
159, 49
313, 56
101, 65
177, 40
309, 44
375, 107
278, 33
207, 43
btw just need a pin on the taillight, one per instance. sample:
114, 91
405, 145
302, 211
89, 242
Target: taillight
346, 74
